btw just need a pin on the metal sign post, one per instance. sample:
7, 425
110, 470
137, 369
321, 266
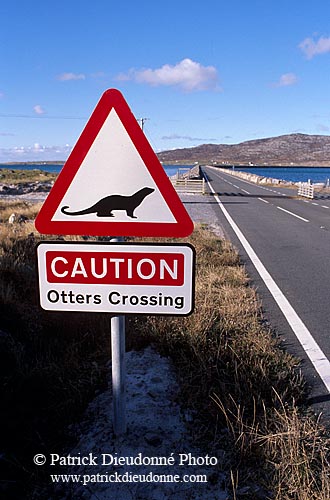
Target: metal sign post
118, 369
118, 374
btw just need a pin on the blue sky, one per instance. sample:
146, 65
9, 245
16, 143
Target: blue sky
201, 72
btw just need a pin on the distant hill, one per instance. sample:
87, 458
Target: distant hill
292, 149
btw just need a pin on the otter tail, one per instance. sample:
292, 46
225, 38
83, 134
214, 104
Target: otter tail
81, 212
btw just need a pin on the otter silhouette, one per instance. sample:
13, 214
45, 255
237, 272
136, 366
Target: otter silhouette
105, 206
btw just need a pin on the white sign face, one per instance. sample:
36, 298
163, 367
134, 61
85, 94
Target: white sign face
119, 278
113, 151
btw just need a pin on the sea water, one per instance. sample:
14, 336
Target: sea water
294, 174
56, 168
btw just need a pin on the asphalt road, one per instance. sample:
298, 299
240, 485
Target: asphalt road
285, 245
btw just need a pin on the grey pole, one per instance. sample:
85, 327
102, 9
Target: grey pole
118, 374
118, 370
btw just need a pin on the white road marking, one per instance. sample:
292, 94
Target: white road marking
310, 346
313, 203
237, 187
261, 199
324, 206
244, 191
291, 213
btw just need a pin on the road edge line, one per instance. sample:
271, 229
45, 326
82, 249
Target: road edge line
308, 343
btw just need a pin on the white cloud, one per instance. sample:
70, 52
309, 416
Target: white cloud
320, 127
313, 48
39, 109
65, 77
34, 153
185, 137
286, 80
187, 75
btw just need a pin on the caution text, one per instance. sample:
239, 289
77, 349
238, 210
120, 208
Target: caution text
120, 268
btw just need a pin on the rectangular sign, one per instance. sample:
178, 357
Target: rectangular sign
120, 278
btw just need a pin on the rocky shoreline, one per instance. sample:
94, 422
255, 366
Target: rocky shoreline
257, 179
25, 188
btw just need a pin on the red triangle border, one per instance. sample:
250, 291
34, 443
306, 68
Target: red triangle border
113, 99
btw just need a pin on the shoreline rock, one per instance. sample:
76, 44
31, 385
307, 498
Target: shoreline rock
257, 179
26, 188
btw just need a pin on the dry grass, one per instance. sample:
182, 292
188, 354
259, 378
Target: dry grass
244, 390
51, 364
15, 176
297, 450
27, 209
235, 376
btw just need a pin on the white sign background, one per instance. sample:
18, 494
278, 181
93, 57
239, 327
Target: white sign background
113, 166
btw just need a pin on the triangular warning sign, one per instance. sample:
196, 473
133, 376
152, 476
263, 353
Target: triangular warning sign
113, 183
